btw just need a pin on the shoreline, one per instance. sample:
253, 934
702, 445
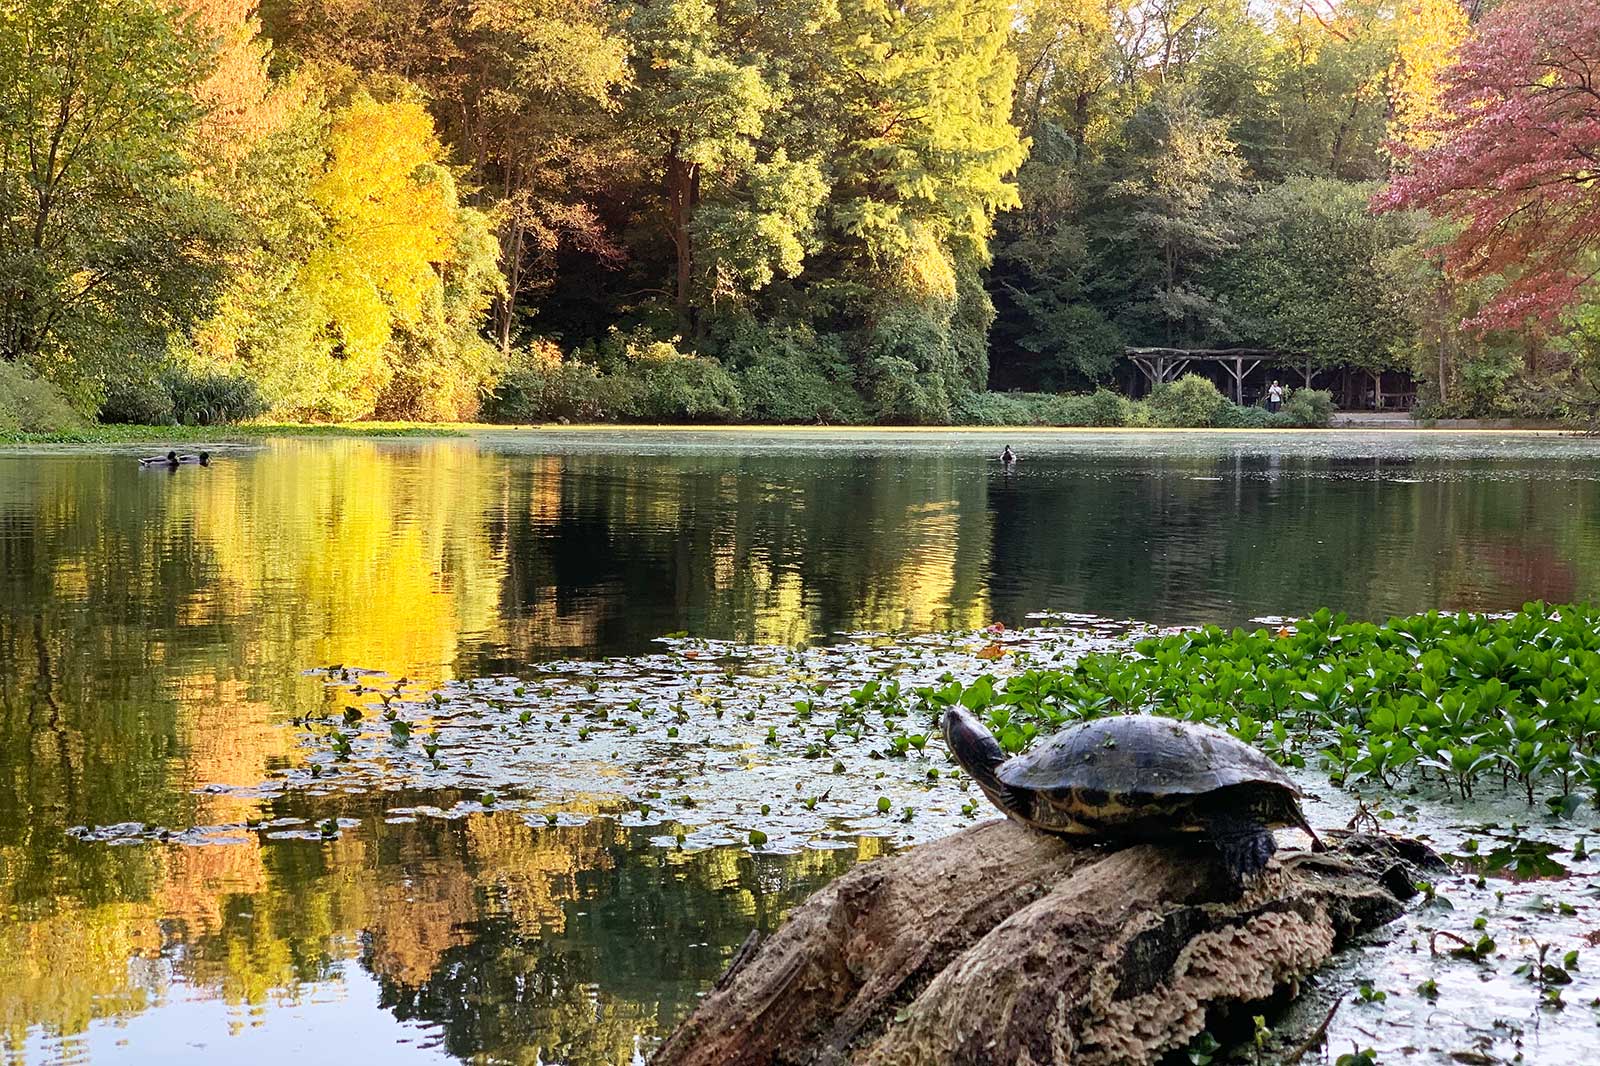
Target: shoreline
250, 432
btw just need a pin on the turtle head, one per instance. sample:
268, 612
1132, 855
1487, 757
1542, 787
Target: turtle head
978, 753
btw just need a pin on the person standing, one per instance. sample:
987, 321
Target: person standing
1274, 397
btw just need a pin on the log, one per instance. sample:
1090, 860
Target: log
1000, 944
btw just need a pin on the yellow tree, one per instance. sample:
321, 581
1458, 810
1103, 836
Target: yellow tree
1427, 33
386, 203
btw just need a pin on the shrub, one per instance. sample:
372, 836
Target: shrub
903, 395
31, 404
1103, 407
206, 398
687, 387
792, 374
1309, 408
909, 365
1235, 417
998, 409
137, 401
1191, 401
543, 387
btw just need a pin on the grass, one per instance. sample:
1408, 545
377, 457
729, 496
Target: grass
127, 434
122, 434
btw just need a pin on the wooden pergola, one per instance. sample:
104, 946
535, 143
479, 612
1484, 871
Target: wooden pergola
1161, 365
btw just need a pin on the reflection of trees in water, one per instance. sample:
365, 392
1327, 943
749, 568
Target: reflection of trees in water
757, 548
154, 630
1222, 540
641, 937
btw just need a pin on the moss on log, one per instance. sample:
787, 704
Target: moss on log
1002, 945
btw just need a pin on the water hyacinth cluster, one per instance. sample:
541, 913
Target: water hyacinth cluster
1459, 700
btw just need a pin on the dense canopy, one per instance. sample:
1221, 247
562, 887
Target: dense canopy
807, 210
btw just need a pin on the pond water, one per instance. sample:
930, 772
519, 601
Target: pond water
187, 870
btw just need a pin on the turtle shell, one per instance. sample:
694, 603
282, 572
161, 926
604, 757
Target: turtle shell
1145, 755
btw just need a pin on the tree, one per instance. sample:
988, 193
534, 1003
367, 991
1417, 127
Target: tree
105, 246
525, 91
371, 279
738, 213
1171, 206
921, 170
1512, 159
1315, 275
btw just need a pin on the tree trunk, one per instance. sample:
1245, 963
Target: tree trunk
1003, 945
683, 191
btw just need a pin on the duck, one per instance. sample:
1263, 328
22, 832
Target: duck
203, 459
170, 459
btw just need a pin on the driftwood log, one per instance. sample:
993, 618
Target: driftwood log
1001, 945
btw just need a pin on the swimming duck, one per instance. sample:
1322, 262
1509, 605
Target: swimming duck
170, 459
203, 459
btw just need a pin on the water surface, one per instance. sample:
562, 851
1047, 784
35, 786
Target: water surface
157, 629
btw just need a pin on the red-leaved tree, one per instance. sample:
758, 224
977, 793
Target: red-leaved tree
1517, 158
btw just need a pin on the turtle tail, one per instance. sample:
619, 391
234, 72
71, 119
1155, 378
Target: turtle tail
980, 755
1244, 844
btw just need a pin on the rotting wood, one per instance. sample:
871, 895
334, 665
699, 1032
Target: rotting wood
1002, 945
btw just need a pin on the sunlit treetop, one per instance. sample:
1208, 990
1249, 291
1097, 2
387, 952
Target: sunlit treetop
1512, 157
1427, 33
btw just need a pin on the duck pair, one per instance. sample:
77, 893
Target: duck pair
174, 459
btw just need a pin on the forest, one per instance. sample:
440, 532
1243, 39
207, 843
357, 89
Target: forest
793, 211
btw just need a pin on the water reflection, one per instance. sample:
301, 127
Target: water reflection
497, 939
154, 628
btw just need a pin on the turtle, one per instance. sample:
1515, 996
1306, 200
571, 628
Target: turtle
1139, 777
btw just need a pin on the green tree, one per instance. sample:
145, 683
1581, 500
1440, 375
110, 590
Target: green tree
1316, 275
1168, 208
738, 212
922, 168
106, 247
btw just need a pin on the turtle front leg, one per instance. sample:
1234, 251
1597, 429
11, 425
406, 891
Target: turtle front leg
1246, 846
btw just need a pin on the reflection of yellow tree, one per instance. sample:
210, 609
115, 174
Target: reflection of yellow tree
369, 557
206, 597
65, 969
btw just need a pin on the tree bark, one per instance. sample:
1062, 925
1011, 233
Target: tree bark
683, 194
1002, 945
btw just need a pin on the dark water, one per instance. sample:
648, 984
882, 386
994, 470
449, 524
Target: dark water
155, 629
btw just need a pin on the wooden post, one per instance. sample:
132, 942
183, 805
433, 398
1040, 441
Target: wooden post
1238, 380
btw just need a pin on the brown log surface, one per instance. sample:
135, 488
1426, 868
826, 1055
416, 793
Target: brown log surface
1001, 945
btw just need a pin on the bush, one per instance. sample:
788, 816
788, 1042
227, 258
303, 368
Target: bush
778, 391
909, 366
1191, 401
1004, 409
1236, 417
1308, 408
679, 388
543, 387
903, 395
1103, 407
791, 374
31, 404
137, 401
207, 398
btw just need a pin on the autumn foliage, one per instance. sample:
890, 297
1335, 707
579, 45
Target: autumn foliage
1513, 157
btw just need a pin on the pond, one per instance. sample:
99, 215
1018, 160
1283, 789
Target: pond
188, 869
